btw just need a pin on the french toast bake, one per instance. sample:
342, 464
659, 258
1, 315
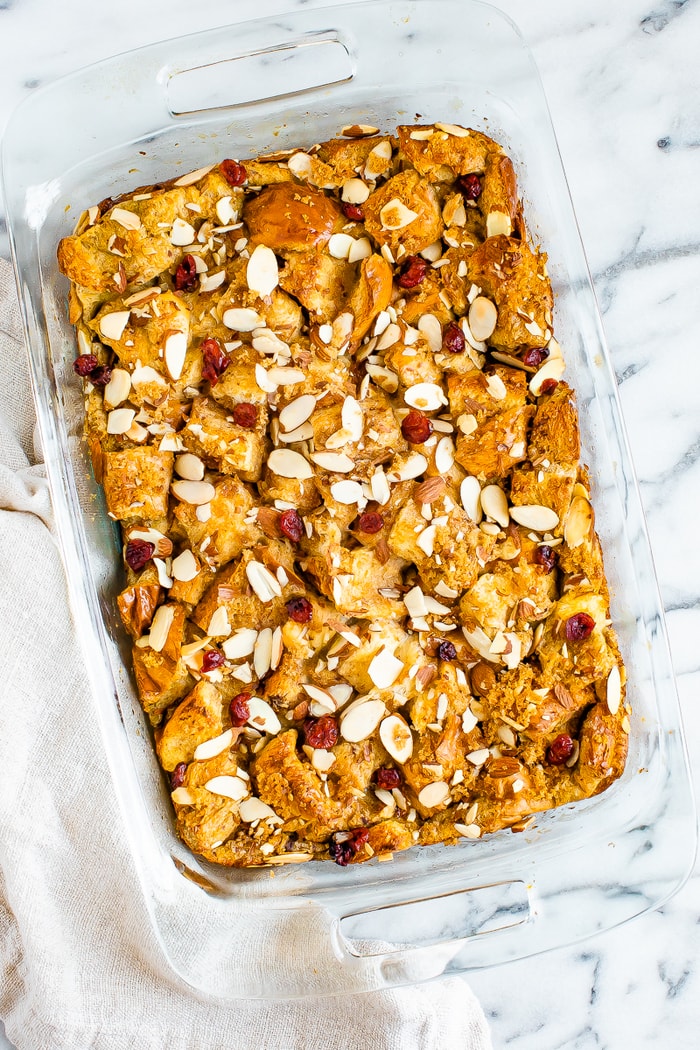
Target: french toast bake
328, 410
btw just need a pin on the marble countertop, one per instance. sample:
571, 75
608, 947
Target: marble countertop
619, 78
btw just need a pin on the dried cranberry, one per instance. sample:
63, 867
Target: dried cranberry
211, 660
560, 750
215, 361
300, 610
470, 185
446, 651
345, 844
413, 272
245, 415
177, 777
453, 341
352, 211
370, 522
186, 275
101, 375
321, 732
234, 173
84, 365
534, 357
416, 427
239, 709
579, 627
546, 557
387, 778
548, 386
291, 525
139, 553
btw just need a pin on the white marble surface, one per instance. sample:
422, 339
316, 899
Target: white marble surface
623, 84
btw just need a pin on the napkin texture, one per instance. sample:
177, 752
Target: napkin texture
80, 966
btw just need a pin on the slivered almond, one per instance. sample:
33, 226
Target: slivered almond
262, 655
430, 327
468, 831
193, 176
497, 223
262, 271
286, 376
358, 131
230, 787
430, 490
470, 495
428, 397
242, 319
378, 160
499, 768
453, 129
263, 582
112, 325
337, 462
194, 492
494, 504
478, 757
361, 720
380, 487
354, 191
579, 522
347, 492
339, 245
160, 627
184, 567
352, 418
613, 690
397, 738
535, 517
361, 248
210, 282
395, 215
435, 794
277, 646
240, 644
215, 746
385, 379
182, 796
118, 388
414, 466
553, 368
254, 808
175, 351
496, 387
297, 412
426, 540
189, 466
445, 455
384, 669
289, 464
219, 627
119, 420
262, 716
482, 318
182, 233
128, 220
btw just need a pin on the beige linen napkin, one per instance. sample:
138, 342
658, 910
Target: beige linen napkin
79, 964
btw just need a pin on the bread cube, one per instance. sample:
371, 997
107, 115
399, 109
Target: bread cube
162, 677
212, 434
197, 718
412, 194
136, 483
225, 533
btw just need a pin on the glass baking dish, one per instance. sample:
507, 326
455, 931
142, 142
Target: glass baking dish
268, 84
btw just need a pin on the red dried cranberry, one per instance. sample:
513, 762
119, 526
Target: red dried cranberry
579, 627
413, 272
387, 778
453, 341
300, 610
321, 732
177, 777
234, 173
139, 553
534, 357
211, 660
546, 557
101, 375
561, 748
370, 522
84, 365
215, 361
245, 415
352, 211
291, 525
416, 427
239, 709
548, 386
345, 844
470, 185
186, 275
446, 651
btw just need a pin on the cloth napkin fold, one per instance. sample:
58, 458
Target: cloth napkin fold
79, 963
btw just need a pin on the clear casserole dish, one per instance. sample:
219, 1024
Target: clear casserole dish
289, 81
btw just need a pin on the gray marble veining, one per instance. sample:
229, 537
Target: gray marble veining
623, 86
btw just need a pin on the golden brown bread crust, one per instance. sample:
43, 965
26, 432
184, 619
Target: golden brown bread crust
352, 634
